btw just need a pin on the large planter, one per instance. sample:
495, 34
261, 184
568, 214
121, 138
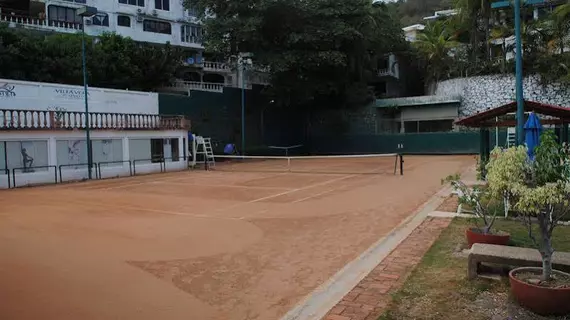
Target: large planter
539, 299
473, 235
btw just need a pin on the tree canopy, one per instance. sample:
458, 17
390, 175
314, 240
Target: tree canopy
113, 61
318, 52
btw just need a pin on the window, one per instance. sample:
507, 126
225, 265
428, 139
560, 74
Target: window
76, 1
162, 5
174, 151
191, 33
435, 126
156, 150
124, 21
428, 126
58, 14
157, 26
192, 12
139, 3
101, 19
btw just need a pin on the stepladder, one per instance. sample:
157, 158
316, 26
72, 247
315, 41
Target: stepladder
204, 152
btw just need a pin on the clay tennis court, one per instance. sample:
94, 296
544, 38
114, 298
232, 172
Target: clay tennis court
196, 245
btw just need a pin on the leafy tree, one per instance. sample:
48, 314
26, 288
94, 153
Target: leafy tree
318, 52
436, 43
413, 11
113, 61
501, 33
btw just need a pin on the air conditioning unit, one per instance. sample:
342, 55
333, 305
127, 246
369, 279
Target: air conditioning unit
88, 22
140, 18
154, 13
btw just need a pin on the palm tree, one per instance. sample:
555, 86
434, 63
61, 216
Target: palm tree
502, 33
474, 14
560, 25
436, 45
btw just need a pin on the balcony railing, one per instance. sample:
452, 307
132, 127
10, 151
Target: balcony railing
216, 66
200, 86
71, 120
385, 72
36, 23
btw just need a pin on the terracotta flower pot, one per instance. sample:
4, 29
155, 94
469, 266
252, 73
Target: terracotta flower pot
538, 299
475, 236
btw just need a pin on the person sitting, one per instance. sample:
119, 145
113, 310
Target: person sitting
27, 161
230, 149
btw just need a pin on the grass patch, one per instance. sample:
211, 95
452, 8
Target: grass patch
438, 287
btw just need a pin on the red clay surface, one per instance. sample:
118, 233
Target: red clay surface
196, 245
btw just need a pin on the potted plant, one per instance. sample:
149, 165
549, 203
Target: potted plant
542, 198
479, 199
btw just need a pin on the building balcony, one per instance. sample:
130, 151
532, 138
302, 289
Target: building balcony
15, 21
68, 120
386, 72
216, 67
185, 86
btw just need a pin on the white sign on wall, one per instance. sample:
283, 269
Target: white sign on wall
23, 95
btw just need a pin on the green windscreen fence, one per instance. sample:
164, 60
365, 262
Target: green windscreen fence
416, 143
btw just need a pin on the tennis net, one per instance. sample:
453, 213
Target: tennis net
344, 164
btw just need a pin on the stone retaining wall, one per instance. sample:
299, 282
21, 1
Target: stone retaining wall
487, 92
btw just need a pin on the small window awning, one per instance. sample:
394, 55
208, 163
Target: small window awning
489, 118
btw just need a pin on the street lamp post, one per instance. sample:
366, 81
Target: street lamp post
518, 68
244, 62
86, 12
519, 86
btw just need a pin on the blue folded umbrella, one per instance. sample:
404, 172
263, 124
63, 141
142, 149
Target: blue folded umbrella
532, 129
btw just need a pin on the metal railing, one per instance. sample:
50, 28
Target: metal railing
94, 166
152, 160
113, 162
32, 168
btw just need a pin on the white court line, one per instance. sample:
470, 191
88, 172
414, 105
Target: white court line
331, 190
299, 189
153, 181
220, 185
176, 213
285, 193
121, 184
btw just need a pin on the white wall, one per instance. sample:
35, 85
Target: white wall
24, 95
113, 8
68, 147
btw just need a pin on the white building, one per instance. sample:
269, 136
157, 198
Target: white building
43, 138
411, 32
153, 21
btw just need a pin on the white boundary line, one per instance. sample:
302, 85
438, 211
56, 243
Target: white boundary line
318, 303
330, 190
175, 213
303, 188
220, 185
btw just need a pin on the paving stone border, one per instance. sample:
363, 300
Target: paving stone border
369, 299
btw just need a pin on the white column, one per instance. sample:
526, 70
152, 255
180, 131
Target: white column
181, 147
194, 149
52, 151
126, 154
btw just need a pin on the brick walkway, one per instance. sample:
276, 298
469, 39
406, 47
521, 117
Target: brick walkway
370, 297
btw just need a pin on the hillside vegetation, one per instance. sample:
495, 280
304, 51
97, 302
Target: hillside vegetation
413, 11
